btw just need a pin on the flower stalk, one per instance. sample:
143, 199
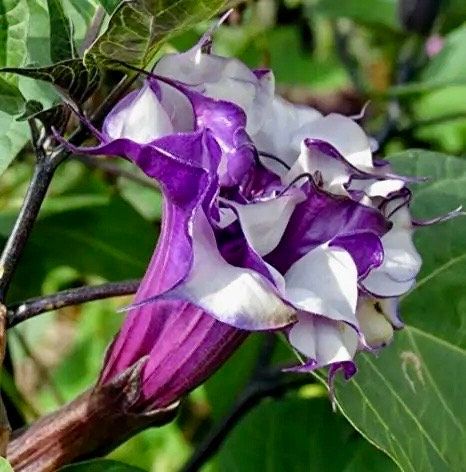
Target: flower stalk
92, 424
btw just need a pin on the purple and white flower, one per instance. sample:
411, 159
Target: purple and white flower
275, 218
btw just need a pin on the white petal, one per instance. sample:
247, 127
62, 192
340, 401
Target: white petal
283, 131
401, 262
265, 222
390, 309
142, 120
239, 297
224, 79
324, 282
178, 108
346, 136
376, 329
334, 172
380, 284
327, 342
377, 188
227, 217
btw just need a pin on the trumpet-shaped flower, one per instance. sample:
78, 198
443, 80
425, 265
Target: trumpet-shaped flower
275, 218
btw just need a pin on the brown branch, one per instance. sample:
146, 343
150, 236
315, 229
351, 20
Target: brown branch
19, 312
92, 425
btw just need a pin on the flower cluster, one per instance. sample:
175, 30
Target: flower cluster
275, 218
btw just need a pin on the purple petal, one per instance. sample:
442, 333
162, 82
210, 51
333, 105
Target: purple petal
322, 218
365, 248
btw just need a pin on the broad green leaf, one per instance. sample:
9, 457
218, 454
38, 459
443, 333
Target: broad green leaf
11, 99
409, 400
61, 34
14, 18
71, 77
298, 435
5, 465
13, 137
449, 135
110, 5
138, 28
100, 465
379, 12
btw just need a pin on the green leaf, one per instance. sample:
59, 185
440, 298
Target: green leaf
446, 69
108, 239
110, 5
75, 80
138, 28
5, 465
379, 12
14, 18
223, 387
100, 465
409, 400
61, 34
298, 435
13, 137
31, 109
11, 99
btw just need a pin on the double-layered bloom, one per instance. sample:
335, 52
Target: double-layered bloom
275, 218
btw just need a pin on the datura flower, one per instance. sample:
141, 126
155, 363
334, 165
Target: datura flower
275, 218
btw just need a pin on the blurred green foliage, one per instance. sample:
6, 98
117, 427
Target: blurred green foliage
97, 226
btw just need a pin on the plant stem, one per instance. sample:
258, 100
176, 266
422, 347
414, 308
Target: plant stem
43, 173
19, 312
92, 424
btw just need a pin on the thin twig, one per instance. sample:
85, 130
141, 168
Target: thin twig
18, 237
19, 312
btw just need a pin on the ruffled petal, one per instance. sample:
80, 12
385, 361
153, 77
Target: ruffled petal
323, 342
402, 262
222, 78
324, 282
321, 218
365, 247
264, 222
237, 296
139, 117
284, 129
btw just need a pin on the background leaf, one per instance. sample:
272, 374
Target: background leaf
11, 99
61, 34
380, 12
408, 401
5, 465
14, 19
302, 435
110, 5
100, 465
138, 28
